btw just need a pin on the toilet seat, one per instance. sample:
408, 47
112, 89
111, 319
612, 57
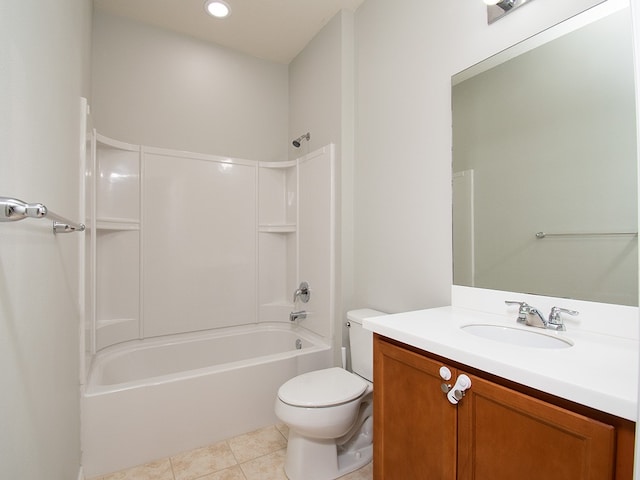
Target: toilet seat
322, 388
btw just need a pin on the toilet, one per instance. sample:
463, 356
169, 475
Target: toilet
330, 412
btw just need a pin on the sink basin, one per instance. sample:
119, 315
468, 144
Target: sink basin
517, 336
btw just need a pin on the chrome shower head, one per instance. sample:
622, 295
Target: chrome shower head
297, 141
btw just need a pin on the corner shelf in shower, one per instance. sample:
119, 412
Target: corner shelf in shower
105, 323
277, 228
117, 224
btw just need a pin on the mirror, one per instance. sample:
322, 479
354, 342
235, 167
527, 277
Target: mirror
544, 142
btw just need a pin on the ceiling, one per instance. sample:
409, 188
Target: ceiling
275, 30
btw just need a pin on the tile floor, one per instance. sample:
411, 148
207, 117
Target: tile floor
256, 455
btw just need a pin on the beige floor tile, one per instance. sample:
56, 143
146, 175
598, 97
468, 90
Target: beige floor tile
256, 444
233, 473
261, 454
202, 461
160, 470
269, 467
365, 473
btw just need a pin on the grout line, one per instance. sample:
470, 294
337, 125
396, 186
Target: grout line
242, 471
173, 472
261, 456
232, 452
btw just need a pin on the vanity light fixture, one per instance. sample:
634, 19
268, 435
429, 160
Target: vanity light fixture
217, 8
497, 9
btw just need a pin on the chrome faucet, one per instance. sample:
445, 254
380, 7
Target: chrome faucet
531, 316
302, 292
293, 316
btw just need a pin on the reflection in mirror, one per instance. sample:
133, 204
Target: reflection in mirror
546, 142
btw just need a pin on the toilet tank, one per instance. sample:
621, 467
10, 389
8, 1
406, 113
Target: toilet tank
361, 342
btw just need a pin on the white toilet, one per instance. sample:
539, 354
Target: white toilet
330, 412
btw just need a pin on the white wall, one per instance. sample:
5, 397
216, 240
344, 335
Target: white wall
154, 87
43, 74
405, 57
321, 98
316, 86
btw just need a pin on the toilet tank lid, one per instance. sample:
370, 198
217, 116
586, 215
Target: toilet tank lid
359, 316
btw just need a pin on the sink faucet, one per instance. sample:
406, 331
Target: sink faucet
534, 318
531, 316
293, 316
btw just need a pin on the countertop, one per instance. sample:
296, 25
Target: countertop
599, 371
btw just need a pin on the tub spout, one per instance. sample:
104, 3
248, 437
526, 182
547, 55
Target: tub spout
293, 316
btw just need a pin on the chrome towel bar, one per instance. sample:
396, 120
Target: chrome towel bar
12, 209
540, 235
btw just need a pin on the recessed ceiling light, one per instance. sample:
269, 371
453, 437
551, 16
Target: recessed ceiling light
217, 8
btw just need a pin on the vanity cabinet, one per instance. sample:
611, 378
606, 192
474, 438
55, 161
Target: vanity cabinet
498, 431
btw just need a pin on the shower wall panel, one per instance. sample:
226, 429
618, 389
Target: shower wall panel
182, 242
199, 244
316, 258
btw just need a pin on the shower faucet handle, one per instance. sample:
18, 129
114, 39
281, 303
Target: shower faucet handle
302, 292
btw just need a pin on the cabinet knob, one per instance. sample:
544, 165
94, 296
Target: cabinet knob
445, 387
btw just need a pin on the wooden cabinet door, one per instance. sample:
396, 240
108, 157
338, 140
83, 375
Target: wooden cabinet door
506, 435
414, 424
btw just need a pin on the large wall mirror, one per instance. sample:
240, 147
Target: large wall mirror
544, 164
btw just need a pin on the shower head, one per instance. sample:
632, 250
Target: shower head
306, 136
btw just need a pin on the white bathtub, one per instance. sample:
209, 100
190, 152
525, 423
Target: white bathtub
149, 399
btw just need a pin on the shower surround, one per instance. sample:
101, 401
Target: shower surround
183, 244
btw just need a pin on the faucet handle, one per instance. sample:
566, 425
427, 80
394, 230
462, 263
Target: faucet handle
523, 310
523, 305
302, 292
555, 318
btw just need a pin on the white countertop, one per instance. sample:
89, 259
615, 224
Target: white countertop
599, 371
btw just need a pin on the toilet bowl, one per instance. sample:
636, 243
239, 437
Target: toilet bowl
330, 412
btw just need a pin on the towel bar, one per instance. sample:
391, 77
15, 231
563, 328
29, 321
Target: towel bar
540, 235
12, 209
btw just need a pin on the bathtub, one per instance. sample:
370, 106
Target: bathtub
152, 398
